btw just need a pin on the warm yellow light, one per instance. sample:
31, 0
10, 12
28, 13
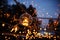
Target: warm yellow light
8, 15
34, 30
46, 33
3, 24
40, 28
14, 18
5, 36
9, 38
25, 22
29, 32
49, 33
25, 19
55, 23
6, 39
49, 37
57, 36
55, 28
27, 36
45, 29
15, 28
54, 37
2, 33
20, 32
38, 35
15, 35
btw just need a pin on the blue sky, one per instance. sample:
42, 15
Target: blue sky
45, 8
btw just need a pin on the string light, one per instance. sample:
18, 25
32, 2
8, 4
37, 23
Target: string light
40, 28
3, 24
8, 37
45, 29
26, 20
5, 37
15, 28
20, 32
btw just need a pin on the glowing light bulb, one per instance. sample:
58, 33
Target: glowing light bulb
15, 28
27, 36
45, 29
25, 22
40, 28
20, 32
9, 38
25, 19
3, 24
5, 36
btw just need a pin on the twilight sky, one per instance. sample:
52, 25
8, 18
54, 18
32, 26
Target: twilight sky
45, 8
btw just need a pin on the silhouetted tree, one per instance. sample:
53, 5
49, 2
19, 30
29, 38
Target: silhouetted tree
32, 11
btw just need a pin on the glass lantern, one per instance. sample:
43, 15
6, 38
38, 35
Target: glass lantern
25, 19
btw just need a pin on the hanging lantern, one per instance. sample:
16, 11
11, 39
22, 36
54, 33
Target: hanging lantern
25, 19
